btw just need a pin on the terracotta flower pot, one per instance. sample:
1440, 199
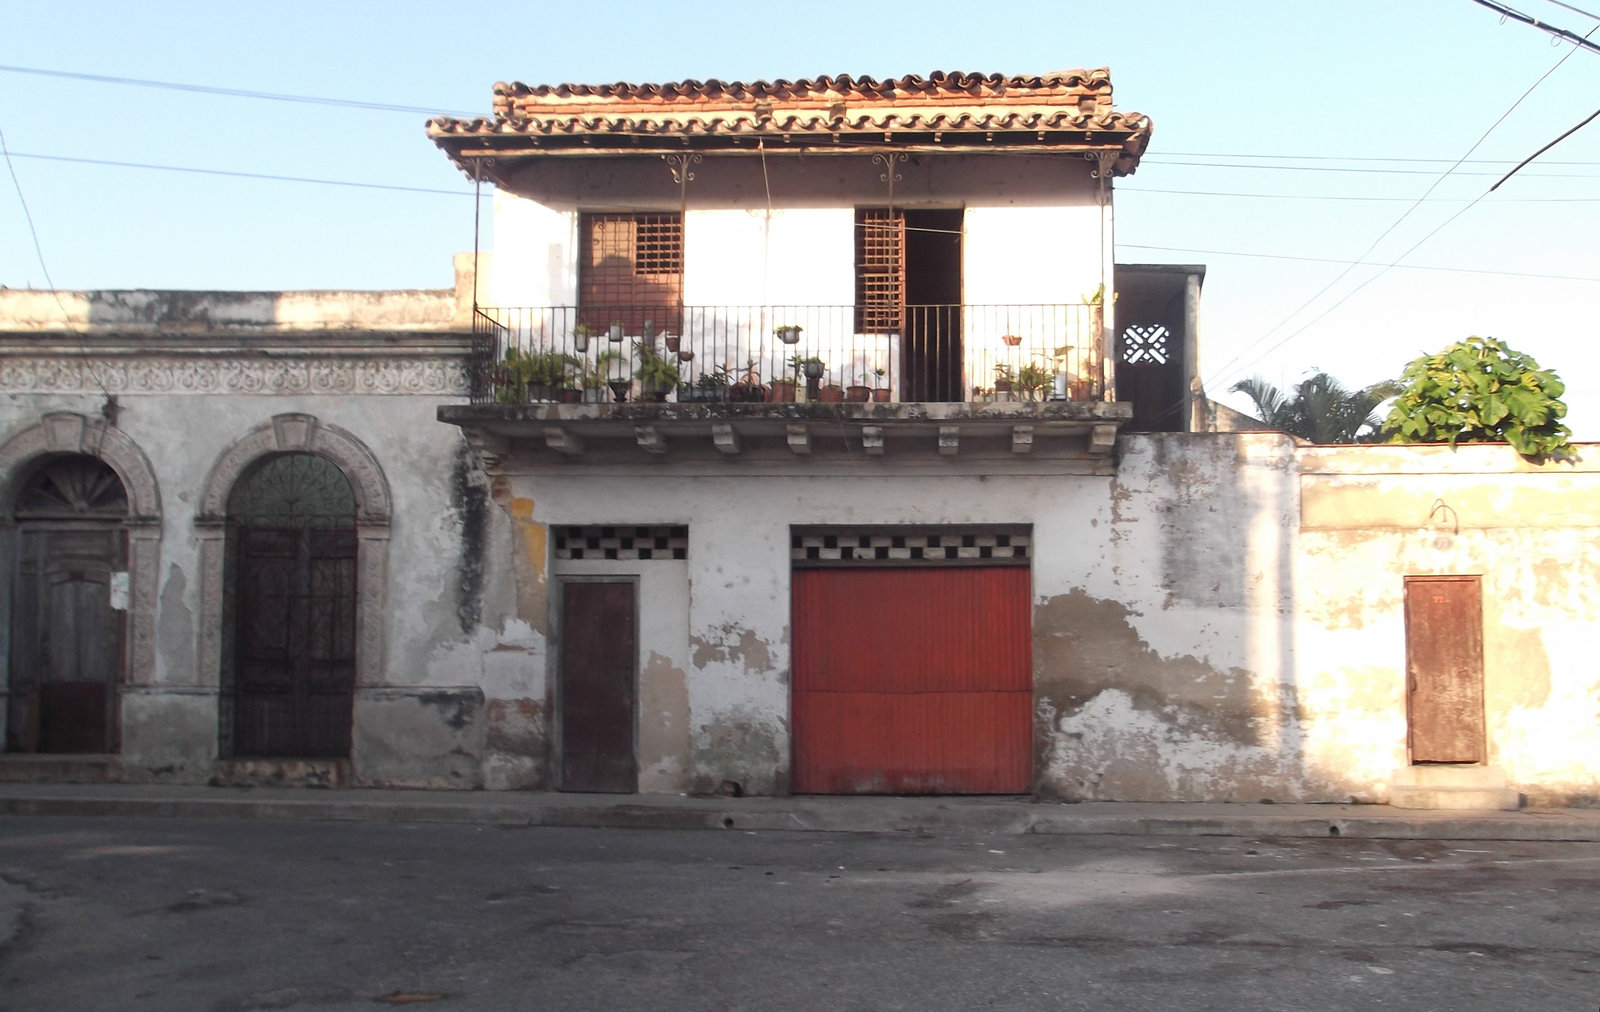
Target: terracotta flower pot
857, 394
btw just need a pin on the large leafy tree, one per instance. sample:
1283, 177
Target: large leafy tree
1481, 391
1320, 408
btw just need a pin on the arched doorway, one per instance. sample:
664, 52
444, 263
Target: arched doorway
289, 657
68, 607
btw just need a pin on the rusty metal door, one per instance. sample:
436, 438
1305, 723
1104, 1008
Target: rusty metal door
912, 681
1444, 668
598, 658
295, 640
67, 640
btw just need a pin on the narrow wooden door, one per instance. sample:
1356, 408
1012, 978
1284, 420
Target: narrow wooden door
598, 660
67, 640
1444, 668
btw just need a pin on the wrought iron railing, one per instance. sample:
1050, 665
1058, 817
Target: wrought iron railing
786, 353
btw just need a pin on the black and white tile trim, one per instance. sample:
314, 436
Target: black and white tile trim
901, 546
622, 543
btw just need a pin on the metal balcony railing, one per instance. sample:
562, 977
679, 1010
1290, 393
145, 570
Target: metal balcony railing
785, 353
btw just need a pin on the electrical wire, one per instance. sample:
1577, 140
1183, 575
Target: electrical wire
205, 89
1582, 41
66, 317
1336, 196
241, 175
1370, 263
1222, 375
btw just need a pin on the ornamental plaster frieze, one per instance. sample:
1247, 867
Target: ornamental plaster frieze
174, 375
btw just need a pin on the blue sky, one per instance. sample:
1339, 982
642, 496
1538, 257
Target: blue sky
1289, 137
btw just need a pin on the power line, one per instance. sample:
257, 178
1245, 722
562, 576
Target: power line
205, 89
1223, 374
1580, 41
241, 175
1335, 196
1358, 263
1348, 170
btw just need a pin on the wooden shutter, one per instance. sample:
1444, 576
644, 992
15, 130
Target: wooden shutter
880, 269
630, 269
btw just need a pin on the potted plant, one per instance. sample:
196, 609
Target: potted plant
614, 332
1033, 379
880, 389
830, 392
785, 390
597, 375
1011, 340
657, 374
580, 337
710, 388
1005, 377
789, 333
749, 388
859, 392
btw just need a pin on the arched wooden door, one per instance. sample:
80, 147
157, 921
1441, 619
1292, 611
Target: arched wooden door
290, 687
68, 608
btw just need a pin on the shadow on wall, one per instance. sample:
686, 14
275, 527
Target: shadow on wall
1183, 688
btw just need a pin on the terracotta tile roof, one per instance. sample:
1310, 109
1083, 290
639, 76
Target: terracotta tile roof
1068, 110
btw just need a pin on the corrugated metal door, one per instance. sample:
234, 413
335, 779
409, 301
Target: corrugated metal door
1444, 669
598, 654
912, 681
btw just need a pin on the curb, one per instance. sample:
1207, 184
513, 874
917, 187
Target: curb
899, 816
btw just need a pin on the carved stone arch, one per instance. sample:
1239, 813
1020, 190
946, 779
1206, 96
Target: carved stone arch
67, 432
299, 433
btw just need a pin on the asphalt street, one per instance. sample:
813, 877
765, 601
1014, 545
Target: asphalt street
225, 915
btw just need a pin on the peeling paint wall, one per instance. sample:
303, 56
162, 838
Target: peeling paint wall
184, 400
1531, 533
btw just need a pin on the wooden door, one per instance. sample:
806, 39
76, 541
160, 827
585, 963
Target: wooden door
67, 640
598, 660
912, 681
294, 681
1444, 668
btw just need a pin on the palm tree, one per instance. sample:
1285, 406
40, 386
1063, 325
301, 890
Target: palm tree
1320, 408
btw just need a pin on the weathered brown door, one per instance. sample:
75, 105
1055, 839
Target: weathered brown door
912, 681
66, 640
598, 658
295, 635
67, 658
1444, 668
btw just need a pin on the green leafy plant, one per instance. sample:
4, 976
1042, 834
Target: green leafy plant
598, 374
1320, 408
655, 370
715, 378
1481, 390
1032, 379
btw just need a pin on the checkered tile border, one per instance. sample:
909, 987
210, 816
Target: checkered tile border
901, 546
622, 543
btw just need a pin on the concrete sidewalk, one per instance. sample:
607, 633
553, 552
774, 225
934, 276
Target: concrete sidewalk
943, 815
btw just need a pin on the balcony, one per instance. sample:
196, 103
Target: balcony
787, 354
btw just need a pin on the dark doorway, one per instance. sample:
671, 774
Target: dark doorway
67, 624
1444, 668
598, 652
931, 358
290, 689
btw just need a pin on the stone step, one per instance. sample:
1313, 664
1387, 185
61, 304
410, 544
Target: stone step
281, 773
1455, 799
1457, 775
43, 768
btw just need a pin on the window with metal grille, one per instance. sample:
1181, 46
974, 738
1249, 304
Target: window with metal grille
630, 270
880, 269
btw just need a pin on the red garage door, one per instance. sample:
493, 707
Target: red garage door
912, 681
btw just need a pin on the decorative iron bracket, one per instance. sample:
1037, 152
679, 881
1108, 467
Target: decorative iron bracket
678, 165
888, 160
